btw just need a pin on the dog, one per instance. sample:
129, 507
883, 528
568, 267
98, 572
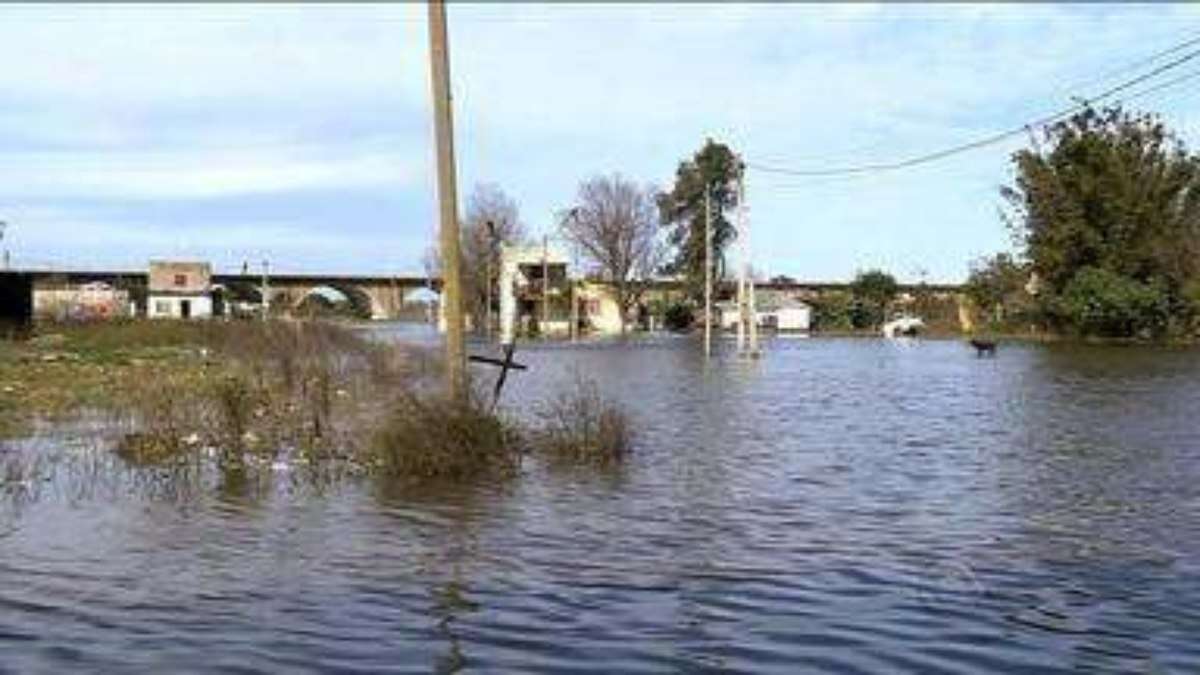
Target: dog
983, 347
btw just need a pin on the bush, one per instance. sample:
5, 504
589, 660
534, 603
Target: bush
583, 427
429, 436
679, 317
1102, 303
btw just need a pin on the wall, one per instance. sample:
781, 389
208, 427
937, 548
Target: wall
169, 306
196, 277
79, 304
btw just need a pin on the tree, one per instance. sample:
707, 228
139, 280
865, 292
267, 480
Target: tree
1102, 302
481, 243
615, 224
996, 283
714, 168
873, 290
1112, 192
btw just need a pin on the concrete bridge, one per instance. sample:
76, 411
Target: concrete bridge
384, 296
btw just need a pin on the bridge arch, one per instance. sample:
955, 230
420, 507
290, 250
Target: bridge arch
330, 298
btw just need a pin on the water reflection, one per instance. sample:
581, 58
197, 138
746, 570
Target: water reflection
848, 505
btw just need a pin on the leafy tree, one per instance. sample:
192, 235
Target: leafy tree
1115, 193
997, 283
873, 291
714, 168
833, 311
615, 224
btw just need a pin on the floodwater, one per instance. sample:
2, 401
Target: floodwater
841, 506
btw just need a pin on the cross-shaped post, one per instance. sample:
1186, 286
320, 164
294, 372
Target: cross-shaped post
506, 364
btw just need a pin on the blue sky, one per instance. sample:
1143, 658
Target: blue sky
303, 133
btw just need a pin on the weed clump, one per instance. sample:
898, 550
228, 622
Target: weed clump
430, 436
583, 427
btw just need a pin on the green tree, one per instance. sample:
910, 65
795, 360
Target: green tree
996, 284
714, 168
873, 291
1115, 193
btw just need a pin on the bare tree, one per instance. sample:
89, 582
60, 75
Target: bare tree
492, 220
615, 224
481, 243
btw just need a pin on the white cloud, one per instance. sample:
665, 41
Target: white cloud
145, 104
195, 174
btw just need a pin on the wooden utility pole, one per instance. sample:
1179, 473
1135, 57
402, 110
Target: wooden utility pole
266, 290
545, 285
707, 270
743, 263
752, 308
443, 123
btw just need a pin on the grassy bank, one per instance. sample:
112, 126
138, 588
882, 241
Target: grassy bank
246, 395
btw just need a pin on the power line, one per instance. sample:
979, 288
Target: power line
987, 140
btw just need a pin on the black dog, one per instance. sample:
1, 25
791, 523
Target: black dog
983, 347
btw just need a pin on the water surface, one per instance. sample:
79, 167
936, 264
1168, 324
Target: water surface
838, 506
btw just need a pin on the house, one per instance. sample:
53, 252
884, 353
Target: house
537, 295
774, 312
179, 290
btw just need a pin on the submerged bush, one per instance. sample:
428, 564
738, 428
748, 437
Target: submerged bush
581, 426
434, 437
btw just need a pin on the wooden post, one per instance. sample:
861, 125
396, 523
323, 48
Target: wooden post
543, 330
443, 122
743, 263
266, 292
707, 271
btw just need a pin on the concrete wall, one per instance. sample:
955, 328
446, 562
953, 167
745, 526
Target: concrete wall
171, 306
64, 304
193, 278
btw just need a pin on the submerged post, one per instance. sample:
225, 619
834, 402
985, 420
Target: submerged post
707, 271
439, 56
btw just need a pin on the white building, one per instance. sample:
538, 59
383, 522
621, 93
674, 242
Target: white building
773, 313
179, 290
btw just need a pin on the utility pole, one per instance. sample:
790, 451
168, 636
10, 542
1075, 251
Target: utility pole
751, 300
266, 290
3, 225
707, 270
487, 303
545, 284
743, 263
443, 122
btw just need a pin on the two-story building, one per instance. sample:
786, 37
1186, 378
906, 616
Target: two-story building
179, 290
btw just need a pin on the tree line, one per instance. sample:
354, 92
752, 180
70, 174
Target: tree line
1104, 212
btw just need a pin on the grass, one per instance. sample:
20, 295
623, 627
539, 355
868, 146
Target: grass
582, 427
435, 438
246, 395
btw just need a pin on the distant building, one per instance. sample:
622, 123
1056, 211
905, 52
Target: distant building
179, 290
63, 301
775, 311
536, 292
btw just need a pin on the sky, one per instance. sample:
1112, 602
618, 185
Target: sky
302, 134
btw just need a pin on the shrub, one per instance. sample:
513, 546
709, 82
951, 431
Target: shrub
430, 436
1103, 303
832, 311
583, 427
679, 317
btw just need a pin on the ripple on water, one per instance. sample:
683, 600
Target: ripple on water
1034, 513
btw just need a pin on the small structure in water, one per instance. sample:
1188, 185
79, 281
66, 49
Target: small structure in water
903, 326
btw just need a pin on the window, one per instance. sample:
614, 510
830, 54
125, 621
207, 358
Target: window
162, 307
181, 280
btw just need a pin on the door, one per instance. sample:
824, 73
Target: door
185, 309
